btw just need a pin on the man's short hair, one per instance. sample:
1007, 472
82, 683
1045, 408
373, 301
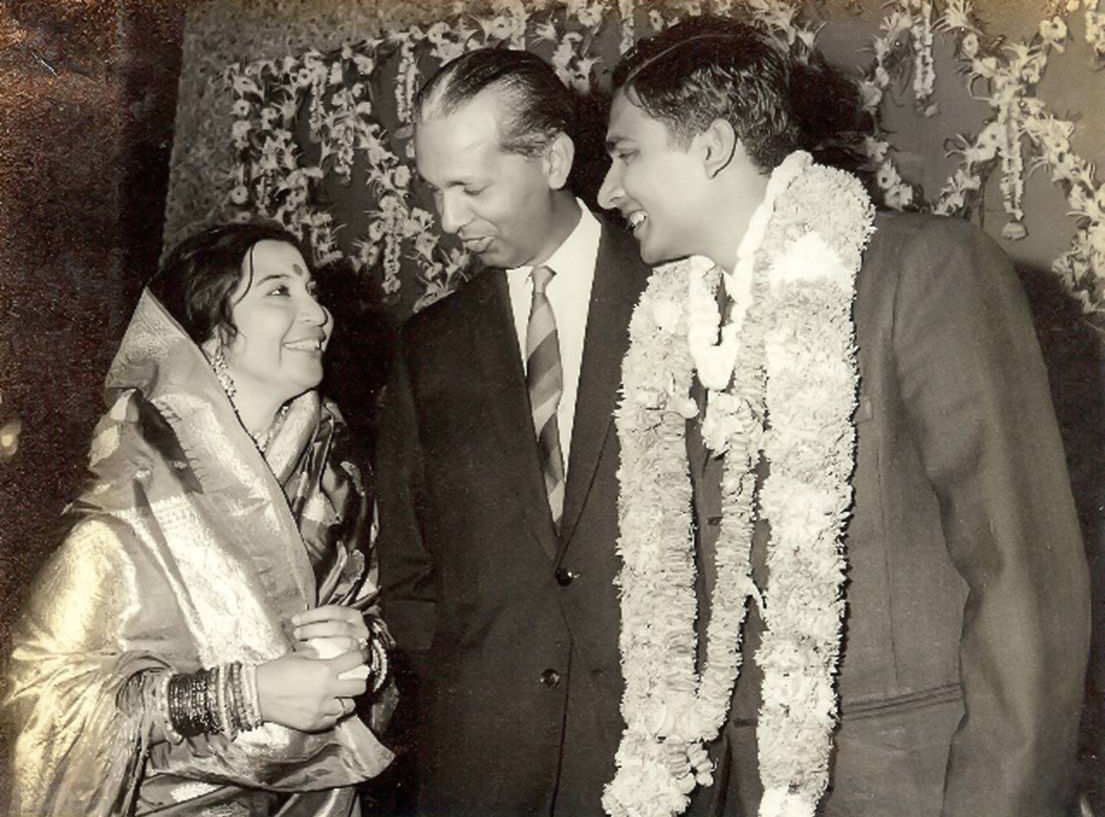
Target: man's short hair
535, 105
708, 68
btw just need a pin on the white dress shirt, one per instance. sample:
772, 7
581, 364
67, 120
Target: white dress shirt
569, 293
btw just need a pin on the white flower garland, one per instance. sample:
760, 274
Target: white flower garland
797, 366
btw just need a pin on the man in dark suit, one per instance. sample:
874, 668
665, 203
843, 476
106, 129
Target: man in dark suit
497, 459
965, 631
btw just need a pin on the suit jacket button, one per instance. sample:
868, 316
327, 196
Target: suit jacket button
550, 678
564, 577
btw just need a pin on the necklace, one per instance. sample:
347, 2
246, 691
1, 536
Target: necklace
263, 439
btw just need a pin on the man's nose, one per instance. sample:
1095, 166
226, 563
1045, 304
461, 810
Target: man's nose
611, 191
453, 213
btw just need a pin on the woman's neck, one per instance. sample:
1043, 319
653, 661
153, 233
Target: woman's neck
257, 412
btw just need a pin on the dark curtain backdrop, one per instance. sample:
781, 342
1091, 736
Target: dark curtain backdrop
87, 103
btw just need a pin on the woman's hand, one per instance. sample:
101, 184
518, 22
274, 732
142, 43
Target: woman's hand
307, 693
343, 627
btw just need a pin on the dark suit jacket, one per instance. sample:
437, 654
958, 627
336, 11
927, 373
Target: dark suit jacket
511, 630
967, 619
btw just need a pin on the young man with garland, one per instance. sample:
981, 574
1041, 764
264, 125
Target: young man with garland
839, 450
497, 461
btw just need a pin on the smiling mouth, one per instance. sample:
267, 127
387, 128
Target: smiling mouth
636, 219
305, 345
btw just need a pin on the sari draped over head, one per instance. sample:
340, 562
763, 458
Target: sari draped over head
189, 548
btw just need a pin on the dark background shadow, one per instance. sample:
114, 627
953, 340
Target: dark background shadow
87, 105
1075, 359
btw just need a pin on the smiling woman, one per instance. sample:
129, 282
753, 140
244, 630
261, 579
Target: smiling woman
245, 295
200, 638
278, 334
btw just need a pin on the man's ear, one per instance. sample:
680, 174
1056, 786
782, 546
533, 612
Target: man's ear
558, 160
719, 144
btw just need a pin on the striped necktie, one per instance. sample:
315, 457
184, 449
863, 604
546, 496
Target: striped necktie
546, 383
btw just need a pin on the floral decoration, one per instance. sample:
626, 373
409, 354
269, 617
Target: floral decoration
791, 292
331, 103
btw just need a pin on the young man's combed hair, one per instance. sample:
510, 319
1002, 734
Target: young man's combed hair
710, 68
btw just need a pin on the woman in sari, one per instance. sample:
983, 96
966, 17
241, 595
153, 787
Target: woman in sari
195, 644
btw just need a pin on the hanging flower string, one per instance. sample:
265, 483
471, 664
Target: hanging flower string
886, 47
924, 66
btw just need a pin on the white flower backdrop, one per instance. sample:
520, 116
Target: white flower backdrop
320, 139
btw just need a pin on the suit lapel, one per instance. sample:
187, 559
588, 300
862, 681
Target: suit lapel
494, 342
619, 280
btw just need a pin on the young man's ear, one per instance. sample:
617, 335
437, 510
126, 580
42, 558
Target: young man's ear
558, 160
719, 144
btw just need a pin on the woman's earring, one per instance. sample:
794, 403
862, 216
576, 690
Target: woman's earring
222, 372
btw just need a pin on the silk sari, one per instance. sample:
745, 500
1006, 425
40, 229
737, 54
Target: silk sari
189, 548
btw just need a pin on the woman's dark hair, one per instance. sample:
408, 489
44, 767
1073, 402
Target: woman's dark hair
709, 68
198, 279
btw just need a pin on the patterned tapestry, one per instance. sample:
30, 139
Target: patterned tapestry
321, 139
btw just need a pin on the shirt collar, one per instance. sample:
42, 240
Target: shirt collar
576, 252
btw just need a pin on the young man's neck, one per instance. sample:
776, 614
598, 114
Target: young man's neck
739, 196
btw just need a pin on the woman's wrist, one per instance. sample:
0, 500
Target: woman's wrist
223, 700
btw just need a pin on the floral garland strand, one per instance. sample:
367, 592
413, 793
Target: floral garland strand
1020, 121
796, 365
808, 494
896, 192
627, 10
924, 66
1095, 27
270, 179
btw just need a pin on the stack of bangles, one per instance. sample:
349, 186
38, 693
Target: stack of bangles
376, 647
222, 699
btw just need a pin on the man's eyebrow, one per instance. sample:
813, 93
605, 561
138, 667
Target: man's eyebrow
462, 182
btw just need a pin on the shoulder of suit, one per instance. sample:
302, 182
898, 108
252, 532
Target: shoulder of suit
915, 241
915, 249
908, 231
469, 298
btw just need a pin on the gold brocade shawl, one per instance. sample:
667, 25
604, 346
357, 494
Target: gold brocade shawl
188, 549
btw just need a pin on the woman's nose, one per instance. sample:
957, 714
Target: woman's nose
313, 312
